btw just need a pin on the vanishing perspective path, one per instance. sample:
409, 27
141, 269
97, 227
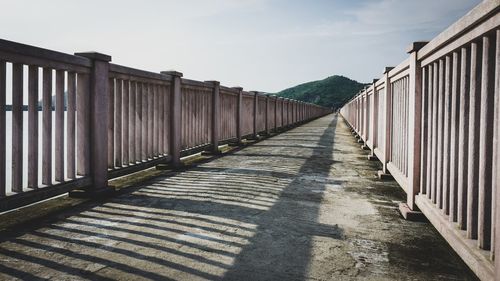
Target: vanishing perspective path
302, 205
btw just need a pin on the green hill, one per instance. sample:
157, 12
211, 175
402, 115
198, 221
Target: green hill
333, 91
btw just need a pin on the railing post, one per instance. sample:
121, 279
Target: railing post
386, 126
496, 164
275, 114
175, 117
255, 111
239, 116
267, 115
215, 117
98, 127
373, 122
282, 113
409, 210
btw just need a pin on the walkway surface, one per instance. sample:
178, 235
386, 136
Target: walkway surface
303, 205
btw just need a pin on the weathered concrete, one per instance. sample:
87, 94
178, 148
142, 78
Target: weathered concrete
303, 205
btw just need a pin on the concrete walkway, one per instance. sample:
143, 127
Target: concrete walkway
303, 205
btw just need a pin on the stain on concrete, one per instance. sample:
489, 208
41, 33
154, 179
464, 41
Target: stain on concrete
303, 205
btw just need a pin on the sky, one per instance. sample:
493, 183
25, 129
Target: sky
263, 45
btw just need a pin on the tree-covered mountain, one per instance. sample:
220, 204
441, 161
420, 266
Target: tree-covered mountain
333, 91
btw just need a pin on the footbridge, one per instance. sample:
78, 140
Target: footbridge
109, 172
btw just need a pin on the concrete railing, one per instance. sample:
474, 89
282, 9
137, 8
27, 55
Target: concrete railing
108, 120
433, 122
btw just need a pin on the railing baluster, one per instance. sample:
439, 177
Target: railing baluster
126, 123
82, 123
473, 165
425, 134
446, 135
439, 161
435, 96
59, 127
111, 124
17, 127
161, 120
454, 138
132, 133
47, 127
463, 137
167, 117
150, 124
486, 143
70, 126
156, 122
144, 122
3, 135
33, 127
118, 123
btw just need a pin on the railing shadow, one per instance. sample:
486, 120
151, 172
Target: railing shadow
217, 221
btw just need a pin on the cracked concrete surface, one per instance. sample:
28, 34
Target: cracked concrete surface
302, 205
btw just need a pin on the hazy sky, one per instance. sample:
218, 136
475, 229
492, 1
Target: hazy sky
264, 45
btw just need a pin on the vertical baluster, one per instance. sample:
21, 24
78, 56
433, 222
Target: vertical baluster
118, 123
473, 164
404, 127
161, 120
59, 126
138, 122
144, 125
132, 122
17, 127
185, 121
495, 235
82, 123
486, 142
166, 116
47, 127
196, 120
425, 134
70, 126
463, 136
111, 123
439, 161
446, 134
399, 123
435, 96
455, 107
125, 122
33, 127
150, 120
3, 95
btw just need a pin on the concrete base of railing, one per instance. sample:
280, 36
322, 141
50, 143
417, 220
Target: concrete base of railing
236, 143
372, 158
365, 147
384, 176
211, 152
169, 166
409, 214
94, 194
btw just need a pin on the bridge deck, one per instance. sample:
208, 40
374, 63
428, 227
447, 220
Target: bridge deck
305, 204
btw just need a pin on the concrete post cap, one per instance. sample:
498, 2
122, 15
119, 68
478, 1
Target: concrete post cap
94, 56
388, 68
213, 82
172, 73
415, 46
